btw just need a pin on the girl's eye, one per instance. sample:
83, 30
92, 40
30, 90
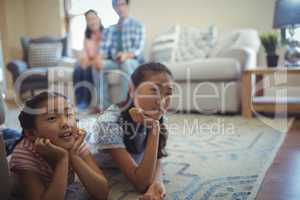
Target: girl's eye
52, 118
154, 90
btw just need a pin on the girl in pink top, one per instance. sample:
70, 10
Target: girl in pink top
52, 151
90, 56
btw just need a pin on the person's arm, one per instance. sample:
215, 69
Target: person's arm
141, 176
87, 170
158, 175
90, 175
105, 43
139, 42
34, 187
137, 47
157, 189
85, 41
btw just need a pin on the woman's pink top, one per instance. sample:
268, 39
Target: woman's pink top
92, 44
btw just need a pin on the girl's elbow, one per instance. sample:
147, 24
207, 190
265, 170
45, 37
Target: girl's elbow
142, 187
102, 194
105, 191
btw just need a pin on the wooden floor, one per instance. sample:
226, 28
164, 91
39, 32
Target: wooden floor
282, 181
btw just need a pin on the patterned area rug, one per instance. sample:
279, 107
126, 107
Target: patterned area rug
212, 157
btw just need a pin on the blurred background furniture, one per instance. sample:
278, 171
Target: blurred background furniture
39, 55
256, 101
209, 82
207, 69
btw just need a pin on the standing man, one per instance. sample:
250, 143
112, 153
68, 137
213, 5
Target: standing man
122, 48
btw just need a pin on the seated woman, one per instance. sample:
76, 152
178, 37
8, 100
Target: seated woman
90, 56
89, 60
131, 135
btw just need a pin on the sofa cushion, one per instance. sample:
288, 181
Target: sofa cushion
60, 74
195, 43
26, 41
244, 38
44, 54
164, 46
114, 77
213, 69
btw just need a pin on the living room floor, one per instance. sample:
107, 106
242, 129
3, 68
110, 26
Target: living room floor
282, 180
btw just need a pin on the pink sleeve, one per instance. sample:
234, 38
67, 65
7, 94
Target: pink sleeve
91, 48
24, 160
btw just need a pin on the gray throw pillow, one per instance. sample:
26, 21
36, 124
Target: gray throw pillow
44, 54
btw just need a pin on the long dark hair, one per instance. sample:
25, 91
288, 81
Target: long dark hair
88, 31
27, 119
139, 76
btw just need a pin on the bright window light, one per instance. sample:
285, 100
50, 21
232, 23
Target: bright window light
296, 36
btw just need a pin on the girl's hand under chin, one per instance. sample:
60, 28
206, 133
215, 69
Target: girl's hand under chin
139, 117
79, 140
49, 151
156, 191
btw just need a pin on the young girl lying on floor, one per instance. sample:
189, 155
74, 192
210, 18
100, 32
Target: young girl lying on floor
131, 135
52, 150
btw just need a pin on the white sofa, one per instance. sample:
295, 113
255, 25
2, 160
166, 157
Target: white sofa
206, 85
212, 84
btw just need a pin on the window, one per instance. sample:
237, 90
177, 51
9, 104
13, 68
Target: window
77, 21
286, 35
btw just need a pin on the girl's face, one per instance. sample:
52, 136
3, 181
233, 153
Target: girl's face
154, 94
93, 21
57, 124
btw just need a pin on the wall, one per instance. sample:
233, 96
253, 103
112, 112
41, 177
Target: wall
14, 26
227, 15
3, 32
32, 18
44, 17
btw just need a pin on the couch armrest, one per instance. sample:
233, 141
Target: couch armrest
67, 62
246, 56
17, 67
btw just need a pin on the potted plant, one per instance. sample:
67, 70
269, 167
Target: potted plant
269, 41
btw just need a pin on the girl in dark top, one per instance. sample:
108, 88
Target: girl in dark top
131, 135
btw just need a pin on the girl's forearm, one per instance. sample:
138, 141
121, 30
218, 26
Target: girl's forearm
158, 175
146, 169
57, 188
95, 184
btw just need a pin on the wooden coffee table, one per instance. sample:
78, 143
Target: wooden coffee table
258, 102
